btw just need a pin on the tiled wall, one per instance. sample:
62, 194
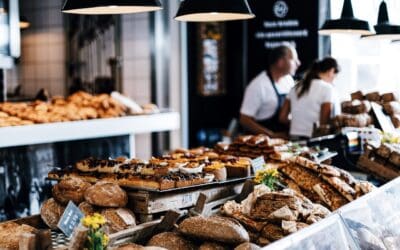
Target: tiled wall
43, 48
136, 68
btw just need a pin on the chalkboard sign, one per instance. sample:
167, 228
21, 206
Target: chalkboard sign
70, 219
277, 21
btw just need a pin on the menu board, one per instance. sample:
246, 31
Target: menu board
277, 21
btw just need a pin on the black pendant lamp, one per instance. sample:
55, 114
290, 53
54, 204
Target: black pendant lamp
24, 23
384, 30
110, 7
213, 10
347, 23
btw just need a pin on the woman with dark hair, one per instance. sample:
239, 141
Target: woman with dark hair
312, 100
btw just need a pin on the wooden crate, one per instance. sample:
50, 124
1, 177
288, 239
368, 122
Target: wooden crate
147, 203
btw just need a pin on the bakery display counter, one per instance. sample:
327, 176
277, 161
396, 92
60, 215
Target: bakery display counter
89, 129
370, 222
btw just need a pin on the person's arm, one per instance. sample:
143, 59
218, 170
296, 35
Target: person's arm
325, 115
253, 126
284, 114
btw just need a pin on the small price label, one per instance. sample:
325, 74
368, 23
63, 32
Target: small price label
70, 219
258, 164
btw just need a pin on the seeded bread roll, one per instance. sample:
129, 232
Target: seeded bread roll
106, 194
229, 231
119, 219
51, 213
70, 189
171, 241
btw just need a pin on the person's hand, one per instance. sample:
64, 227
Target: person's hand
281, 135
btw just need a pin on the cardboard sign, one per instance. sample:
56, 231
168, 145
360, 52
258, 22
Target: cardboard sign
70, 219
258, 164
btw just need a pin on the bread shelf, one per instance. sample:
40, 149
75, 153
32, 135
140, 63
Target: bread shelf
88, 129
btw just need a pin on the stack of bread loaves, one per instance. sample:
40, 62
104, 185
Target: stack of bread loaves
104, 197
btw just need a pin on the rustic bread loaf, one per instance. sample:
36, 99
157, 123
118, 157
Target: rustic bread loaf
11, 233
247, 246
215, 228
106, 194
212, 246
70, 189
51, 212
119, 219
171, 241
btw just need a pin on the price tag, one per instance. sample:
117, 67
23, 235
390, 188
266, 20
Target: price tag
258, 164
70, 219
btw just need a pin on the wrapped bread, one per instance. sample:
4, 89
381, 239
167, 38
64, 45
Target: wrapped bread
229, 231
119, 219
70, 189
106, 194
171, 240
11, 234
51, 212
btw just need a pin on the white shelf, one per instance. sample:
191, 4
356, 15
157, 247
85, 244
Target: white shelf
89, 129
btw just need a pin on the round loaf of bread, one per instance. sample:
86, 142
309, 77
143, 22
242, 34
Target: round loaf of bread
87, 209
247, 246
70, 189
106, 194
132, 246
119, 219
229, 231
171, 240
212, 246
51, 212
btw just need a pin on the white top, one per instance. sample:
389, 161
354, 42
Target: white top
260, 100
306, 110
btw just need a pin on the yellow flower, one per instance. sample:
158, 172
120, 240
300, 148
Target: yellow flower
95, 221
105, 240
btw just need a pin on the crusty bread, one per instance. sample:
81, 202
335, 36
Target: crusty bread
10, 234
215, 228
87, 209
70, 189
51, 212
212, 246
247, 246
171, 241
119, 219
106, 194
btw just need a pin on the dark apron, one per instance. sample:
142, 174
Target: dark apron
273, 123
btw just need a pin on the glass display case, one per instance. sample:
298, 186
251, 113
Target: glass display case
371, 222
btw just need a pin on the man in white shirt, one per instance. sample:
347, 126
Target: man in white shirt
266, 93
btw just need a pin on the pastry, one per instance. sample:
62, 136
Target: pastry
51, 213
106, 194
70, 189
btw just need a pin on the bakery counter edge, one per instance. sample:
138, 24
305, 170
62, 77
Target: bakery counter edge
88, 129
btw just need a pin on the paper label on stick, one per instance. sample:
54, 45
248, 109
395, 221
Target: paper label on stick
126, 217
258, 164
70, 219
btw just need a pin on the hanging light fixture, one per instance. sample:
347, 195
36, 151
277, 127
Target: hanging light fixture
384, 30
213, 10
110, 7
347, 23
24, 23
